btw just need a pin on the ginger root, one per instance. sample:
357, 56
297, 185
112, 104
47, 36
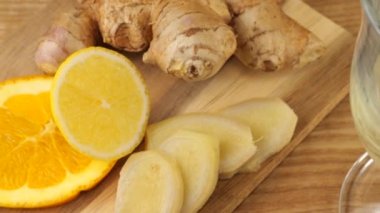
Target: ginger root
125, 24
72, 31
190, 41
218, 6
268, 40
238, 6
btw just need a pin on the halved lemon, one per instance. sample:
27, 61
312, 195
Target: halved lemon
37, 166
100, 103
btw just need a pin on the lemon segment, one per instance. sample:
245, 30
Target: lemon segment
100, 103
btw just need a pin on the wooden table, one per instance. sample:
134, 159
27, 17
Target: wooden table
309, 179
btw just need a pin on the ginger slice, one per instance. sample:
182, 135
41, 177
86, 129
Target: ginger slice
197, 155
272, 123
236, 144
149, 182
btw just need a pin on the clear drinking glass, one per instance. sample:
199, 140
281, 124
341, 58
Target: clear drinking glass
360, 191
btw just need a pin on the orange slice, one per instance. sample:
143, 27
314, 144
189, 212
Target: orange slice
38, 167
100, 103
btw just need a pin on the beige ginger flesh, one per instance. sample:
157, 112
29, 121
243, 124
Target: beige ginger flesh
272, 123
149, 181
197, 156
190, 41
235, 137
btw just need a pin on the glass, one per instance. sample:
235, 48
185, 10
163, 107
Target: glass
360, 191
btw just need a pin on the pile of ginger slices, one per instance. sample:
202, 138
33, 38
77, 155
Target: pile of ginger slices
186, 154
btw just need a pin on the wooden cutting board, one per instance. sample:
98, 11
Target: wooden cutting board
312, 92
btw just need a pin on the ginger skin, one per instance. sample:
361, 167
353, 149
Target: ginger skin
190, 41
124, 24
79, 28
186, 38
218, 6
268, 40
238, 6
72, 31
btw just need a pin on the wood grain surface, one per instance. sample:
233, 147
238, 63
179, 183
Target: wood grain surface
13, 13
309, 179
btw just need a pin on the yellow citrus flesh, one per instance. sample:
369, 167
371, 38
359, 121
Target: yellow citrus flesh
38, 167
100, 104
